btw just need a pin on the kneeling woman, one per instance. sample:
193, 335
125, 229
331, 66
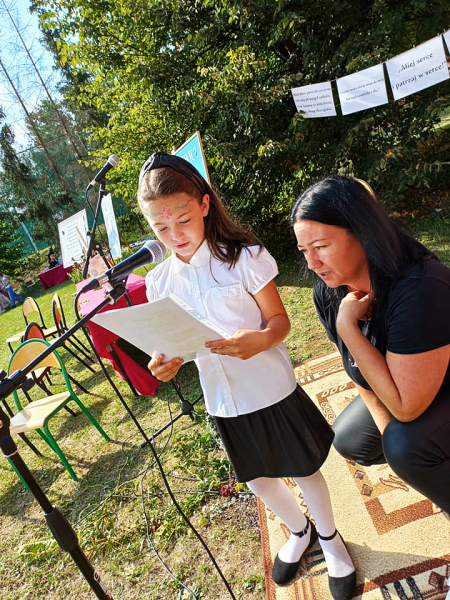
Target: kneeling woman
384, 301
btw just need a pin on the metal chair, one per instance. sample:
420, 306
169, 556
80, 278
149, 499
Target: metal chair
34, 331
36, 415
29, 307
62, 327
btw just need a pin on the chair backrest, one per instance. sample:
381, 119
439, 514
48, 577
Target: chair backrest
29, 281
33, 331
58, 314
27, 352
30, 306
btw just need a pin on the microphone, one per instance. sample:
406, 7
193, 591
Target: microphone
152, 251
112, 162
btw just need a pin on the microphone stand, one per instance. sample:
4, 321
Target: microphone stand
101, 193
61, 529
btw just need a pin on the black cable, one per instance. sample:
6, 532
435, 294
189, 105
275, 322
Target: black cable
155, 551
187, 521
158, 462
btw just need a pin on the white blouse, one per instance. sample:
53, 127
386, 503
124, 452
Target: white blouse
231, 386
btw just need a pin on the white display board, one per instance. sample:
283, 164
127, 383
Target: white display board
73, 237
111, 227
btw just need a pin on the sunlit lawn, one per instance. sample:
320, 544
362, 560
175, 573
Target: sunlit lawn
121, 494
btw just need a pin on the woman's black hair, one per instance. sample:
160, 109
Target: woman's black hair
351, 204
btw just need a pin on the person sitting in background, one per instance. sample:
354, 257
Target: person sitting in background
5, 302
52, 260
13, 296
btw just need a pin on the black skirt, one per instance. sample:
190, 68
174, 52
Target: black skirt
288, 439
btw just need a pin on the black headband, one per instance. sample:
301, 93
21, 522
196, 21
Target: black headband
161, 160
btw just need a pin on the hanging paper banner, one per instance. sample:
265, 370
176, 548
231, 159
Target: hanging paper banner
315, 100
447, 39
362, 90
418, 68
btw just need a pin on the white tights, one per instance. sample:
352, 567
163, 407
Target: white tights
279, 499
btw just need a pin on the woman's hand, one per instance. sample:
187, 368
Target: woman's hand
243, 344
354, 307
164, 371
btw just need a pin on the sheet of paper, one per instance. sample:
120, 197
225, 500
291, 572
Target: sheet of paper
169, 326
362, 90
447, 39
418, 68
314, 100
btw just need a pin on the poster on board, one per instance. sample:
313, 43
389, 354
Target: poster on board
73, 238
446, 36
192, 151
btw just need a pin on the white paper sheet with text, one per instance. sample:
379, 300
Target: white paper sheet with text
168, 326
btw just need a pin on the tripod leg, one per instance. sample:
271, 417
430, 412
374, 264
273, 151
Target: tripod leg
57, 523
122, 370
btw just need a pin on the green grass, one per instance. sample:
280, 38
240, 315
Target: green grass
119, 483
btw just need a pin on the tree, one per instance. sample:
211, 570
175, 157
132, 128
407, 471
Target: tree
162, 69
11, 246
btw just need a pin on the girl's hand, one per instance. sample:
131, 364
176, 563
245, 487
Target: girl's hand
354, 307
164, 371
243, 344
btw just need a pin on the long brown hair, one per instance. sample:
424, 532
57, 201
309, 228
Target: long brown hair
225, 237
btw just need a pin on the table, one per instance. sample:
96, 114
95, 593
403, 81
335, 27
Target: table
54, 276
105, 341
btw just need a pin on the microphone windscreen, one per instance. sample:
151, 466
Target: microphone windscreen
156, 249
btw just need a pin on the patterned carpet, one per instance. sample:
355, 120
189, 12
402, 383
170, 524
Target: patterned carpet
399, 540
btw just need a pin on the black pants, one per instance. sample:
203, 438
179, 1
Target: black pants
418, 451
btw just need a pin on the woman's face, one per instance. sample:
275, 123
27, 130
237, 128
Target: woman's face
178, 221
334, 254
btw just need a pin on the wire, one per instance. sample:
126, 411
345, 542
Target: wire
160, 467
152, 546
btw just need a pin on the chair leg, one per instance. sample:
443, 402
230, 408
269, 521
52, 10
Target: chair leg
80, 343
22, 435
80, 348
73, 380
79, 358
91, 418
30, 444
18, 474
43, 387
47, 436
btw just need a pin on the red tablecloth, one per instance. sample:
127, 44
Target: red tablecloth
54, 276
142, 379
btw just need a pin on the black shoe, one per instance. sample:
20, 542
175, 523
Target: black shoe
341, 588
283, 573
